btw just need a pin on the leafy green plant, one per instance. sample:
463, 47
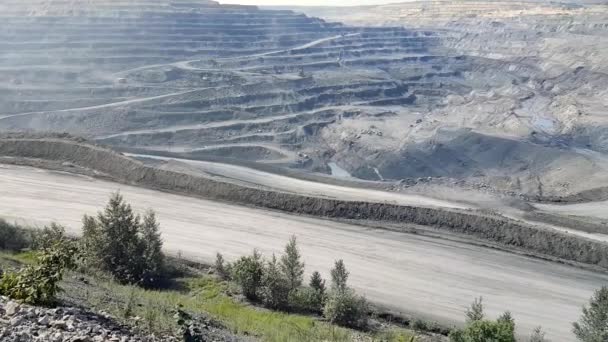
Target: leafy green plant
39, 283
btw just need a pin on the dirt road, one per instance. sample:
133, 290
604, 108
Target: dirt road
412, 273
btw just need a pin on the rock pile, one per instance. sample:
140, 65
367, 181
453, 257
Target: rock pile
24, 323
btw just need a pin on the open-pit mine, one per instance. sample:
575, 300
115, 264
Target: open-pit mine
460, 147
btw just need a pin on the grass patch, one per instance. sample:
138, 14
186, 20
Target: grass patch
207, 296
16, 260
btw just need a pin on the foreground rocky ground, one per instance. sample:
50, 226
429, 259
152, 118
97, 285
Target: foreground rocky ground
20, 323
24, 323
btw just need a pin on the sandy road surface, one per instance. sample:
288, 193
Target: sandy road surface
299, 186
409, 272
594, 209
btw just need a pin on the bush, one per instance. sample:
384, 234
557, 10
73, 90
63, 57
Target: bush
475, 311
38, 284
593, 324
275, 290
484, 331
343, 306
48, 236
14, 237
247, 272
306, 300
119, 243
479, 330
537, 335
347, 309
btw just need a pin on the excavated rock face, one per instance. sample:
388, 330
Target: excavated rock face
509, 94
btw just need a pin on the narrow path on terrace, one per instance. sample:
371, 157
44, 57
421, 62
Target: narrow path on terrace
187, 64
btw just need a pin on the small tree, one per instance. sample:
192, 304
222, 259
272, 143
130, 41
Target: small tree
593, 324
118, 242
221, 267
475, 311
506, 317
538, 335
247, 272
275, 290
478, 329
119, 227
343, 306
317, 283
291, 265
339, 276
485, 331
151, 244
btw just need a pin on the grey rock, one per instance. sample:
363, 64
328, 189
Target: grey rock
12, 308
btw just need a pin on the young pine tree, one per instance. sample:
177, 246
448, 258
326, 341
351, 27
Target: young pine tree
339, 277
119, 227
317, 283
475, 311
291, 265
153, 258
593, 324
275, 290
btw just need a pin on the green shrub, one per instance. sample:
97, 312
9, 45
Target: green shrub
222, 269
119, 243
14, 237
485, 331
38, 284
247, 272
275, 288
593, 324
306, 300
475, 311
478, 329
346, 308
537, 335
343, 306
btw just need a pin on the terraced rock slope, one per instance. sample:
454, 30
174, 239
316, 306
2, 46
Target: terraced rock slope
510, 96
